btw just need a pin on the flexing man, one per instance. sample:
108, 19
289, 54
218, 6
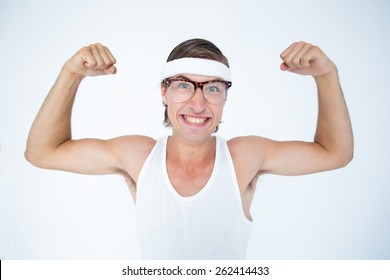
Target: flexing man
192, 190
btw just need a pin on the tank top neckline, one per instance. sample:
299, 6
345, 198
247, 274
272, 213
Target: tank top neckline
208, 184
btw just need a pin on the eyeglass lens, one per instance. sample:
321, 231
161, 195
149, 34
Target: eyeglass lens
182, 90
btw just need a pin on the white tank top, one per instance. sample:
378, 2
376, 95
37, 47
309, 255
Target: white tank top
208, 225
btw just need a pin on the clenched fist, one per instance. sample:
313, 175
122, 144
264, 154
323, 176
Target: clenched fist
305, 59
93, 60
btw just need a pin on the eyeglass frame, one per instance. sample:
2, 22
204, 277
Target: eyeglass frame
167, 82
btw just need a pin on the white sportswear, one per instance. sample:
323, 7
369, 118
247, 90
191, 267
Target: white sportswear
208, 225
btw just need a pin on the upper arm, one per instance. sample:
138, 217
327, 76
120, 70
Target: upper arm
253, 155
298, 158
94, 156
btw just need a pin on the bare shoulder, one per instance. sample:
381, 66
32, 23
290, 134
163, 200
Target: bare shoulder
134, 141
245, 146
132, 150
248, 154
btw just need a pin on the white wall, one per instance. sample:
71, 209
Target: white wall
342, 214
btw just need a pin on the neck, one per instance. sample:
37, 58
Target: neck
188, 152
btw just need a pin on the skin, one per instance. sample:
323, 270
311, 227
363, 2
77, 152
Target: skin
191, 147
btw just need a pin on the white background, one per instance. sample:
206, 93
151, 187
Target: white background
342, 214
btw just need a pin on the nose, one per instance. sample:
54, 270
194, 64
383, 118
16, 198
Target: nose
198, 102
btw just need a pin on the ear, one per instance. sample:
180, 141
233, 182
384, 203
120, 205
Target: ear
163, 94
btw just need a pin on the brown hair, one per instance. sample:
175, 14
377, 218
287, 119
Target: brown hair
198, 48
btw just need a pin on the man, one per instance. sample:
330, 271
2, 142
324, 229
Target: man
192, 190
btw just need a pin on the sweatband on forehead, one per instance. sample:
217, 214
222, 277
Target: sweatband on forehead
196, 66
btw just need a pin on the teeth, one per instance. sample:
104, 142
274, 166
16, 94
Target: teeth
195, 120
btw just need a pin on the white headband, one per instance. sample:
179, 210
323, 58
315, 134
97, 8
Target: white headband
196, 66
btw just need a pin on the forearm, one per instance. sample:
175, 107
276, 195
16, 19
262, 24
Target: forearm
334, 131
52, 124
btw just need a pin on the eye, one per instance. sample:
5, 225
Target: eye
183, 85
214, 88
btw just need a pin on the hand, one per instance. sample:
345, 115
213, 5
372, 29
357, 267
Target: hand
305, 59
93, 60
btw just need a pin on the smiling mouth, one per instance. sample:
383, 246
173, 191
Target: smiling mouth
195, 120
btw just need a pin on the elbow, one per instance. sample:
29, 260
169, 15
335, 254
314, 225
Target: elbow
29, 156
42, 156
348, 157
34, 158
347, 154
344, 159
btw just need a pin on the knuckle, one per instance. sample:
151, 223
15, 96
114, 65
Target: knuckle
96, 45
100, 65
305, 62
316, 48
305, 58
296, 61
84, 50
92, 63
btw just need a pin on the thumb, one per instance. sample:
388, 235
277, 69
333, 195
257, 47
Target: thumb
284, 67
110, 70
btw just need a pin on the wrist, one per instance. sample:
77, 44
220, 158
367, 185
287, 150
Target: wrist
69, 73
68, 80
331, 74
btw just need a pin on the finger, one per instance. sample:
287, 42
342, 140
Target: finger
106, 55
110, 70
303, 56
88, 58
98, 55
284, 66
312, 54
290, 57
110, 61
286, 52
109, 54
